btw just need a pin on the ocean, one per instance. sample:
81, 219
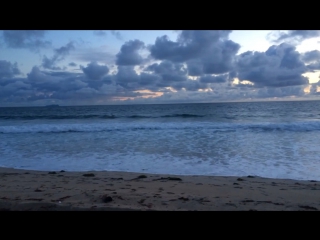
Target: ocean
266, 139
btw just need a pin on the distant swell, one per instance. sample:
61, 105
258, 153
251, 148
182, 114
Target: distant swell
93, 116
199, 126
182, 115
56, 117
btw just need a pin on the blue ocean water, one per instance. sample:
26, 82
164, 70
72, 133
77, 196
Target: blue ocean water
267, 139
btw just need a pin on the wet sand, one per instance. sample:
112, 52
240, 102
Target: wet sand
26, 190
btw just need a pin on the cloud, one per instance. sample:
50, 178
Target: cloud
221, 58
64, 50
296, 91
45, 81
315, 88
100, 33
214, 79
149, 80
311, 56
204, 51
37, 85
195, 67
30, 39
59, 55
169, 73
199, 66
45, 87
49, 63
15, 91
295, 36
127, 77
93, 55
94, 70
189, 45
72, 64
162, 75
129, 55
279, 66
190, 85
103, 33
117, 34
8, 70
313, 66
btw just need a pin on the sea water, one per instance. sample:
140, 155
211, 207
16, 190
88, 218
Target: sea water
267, 139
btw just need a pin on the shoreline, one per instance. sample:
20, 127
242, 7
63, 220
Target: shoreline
31, 190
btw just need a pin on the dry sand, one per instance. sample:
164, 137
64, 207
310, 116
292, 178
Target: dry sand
23, 190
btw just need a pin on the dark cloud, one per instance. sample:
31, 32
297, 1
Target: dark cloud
129, 55
249, 60
195, 67
233, 74
191, 44
293, 35
169, 72
49, 63
61, 86
220, 59
45, 87
277, 67
37, 85
100, 33
65, 50
94, 70
214, 79
59, 55
311, 56
268, 92
64, 85
208, 56
204, 51
37, 76
31, 39
117, 34
15, 91
67, 88
8, 70
127, 77
313, 66
72, 64
150, 80
190, 85
62, 74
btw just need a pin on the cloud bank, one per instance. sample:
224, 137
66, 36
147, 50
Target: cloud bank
198, 66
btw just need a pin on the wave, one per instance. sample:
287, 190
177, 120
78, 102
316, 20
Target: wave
93, 116
206, 126
182, 115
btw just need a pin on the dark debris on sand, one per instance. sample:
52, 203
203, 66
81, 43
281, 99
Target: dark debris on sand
106, 198
88, 175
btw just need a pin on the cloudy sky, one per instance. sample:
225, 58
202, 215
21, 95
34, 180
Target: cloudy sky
126, 67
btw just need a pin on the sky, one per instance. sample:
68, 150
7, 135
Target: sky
101, 67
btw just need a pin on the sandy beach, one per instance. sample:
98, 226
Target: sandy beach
25, 190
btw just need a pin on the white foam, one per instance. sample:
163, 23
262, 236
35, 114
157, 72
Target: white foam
175, 150
166, 164
145, 125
